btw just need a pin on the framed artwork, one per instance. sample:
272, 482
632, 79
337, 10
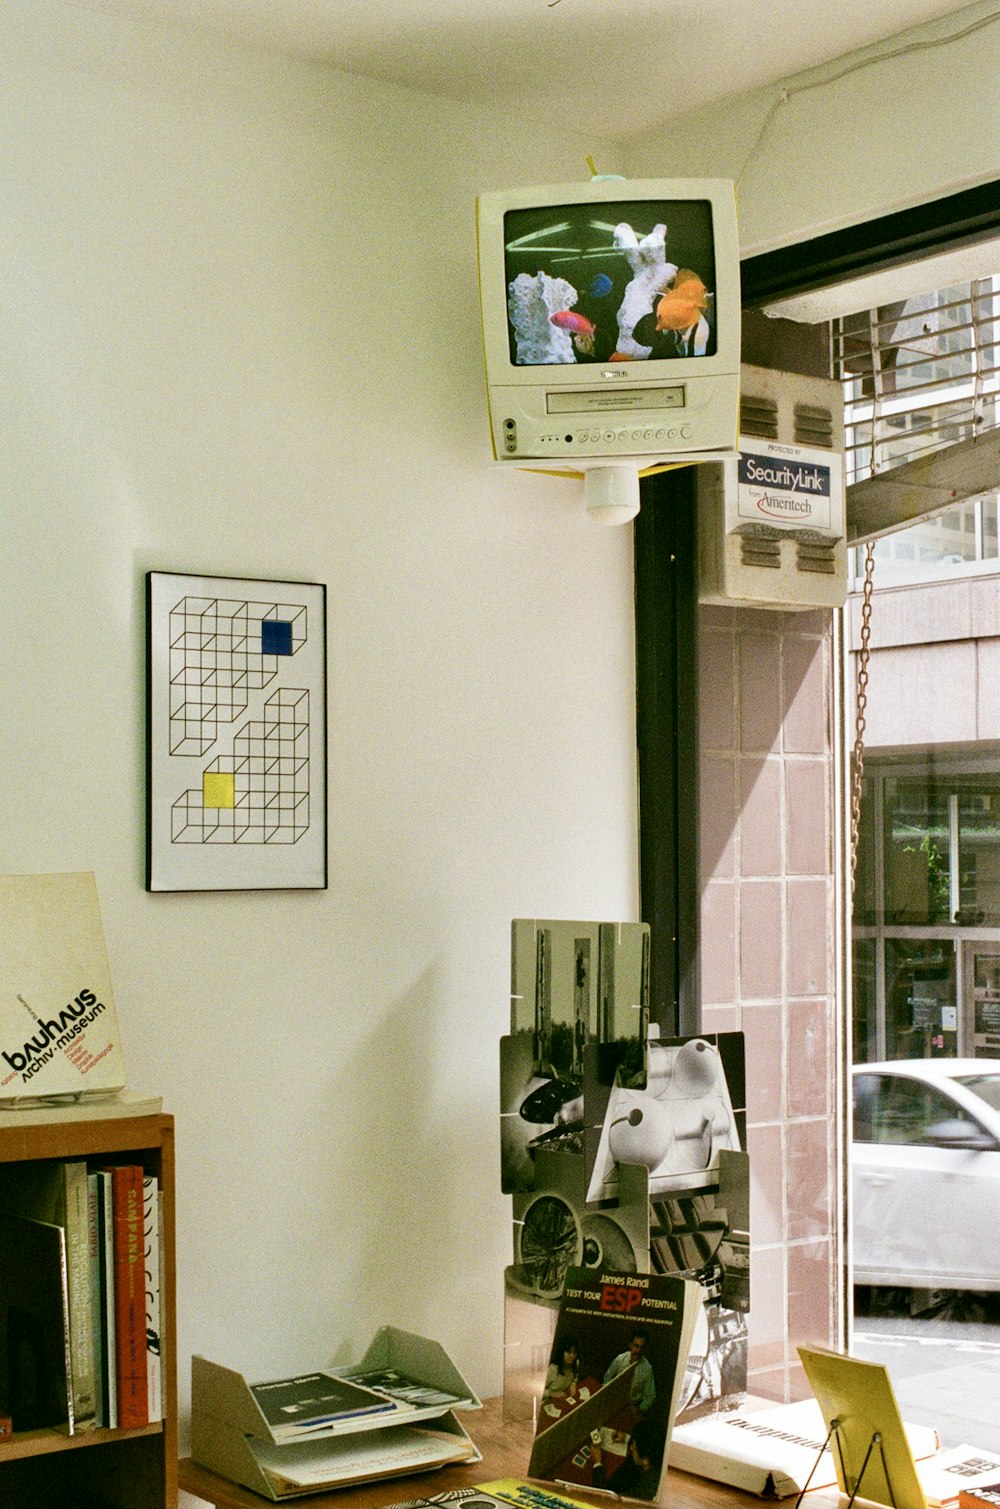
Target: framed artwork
236, 733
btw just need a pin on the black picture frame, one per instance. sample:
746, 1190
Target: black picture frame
236, 744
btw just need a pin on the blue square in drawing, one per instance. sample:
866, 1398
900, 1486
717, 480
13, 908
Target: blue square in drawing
275, 637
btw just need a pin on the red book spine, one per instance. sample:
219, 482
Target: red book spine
130, 1296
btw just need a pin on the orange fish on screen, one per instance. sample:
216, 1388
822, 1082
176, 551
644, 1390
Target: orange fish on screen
579, 327
681, 306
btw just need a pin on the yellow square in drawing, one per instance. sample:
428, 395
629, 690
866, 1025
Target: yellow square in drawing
218, 788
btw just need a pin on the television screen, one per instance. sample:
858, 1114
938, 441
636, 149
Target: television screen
614, 281
611, 321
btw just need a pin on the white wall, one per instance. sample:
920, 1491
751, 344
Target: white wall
901, 123
239, 334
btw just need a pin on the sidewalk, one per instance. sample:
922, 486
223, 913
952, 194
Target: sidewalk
944, 1373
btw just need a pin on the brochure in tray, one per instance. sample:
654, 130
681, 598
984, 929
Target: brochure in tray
310, 1402
368, 1457
393, 1412
58, 1028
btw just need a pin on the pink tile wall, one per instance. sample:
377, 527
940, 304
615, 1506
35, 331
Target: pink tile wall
768, 956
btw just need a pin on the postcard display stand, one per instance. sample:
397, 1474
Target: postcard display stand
111, 1469
624, 1151
231, 1437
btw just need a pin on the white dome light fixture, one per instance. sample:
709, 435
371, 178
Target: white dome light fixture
611, 493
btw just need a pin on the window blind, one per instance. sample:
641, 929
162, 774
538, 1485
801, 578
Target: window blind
918, 375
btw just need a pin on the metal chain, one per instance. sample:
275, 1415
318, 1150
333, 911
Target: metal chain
864, 653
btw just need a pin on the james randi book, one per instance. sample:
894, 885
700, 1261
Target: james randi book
619, 1354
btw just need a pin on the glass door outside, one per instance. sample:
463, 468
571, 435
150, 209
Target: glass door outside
981, 971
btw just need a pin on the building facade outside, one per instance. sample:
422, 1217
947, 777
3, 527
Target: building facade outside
918, 376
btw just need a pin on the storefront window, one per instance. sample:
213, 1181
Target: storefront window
917, 852
979, 853
988, 509
958, 542
866, 861
921, 998
865, 1001
926, 913
986, 1002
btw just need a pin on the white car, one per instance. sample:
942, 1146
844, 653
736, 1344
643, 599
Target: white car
925, 1173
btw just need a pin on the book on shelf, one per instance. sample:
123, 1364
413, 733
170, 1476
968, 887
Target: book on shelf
131, 1367
310, 1402
95, 1255
106, 1341
57, 1193
73, 1205
625, 1338
81, 1289
151, 1287
36, 1377
772, 1450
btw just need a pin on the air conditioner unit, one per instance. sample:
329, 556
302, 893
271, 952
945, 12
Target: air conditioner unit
772, 524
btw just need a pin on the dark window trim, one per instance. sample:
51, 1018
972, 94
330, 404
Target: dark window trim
947, 224
666, 618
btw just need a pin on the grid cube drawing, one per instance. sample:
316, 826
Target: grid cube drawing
270, 766
217, 659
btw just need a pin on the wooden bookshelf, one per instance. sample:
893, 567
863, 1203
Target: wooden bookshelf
102, 1469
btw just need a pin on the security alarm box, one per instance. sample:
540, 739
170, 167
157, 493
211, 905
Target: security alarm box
772, 524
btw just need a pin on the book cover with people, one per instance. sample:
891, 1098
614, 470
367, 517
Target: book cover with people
614, 1380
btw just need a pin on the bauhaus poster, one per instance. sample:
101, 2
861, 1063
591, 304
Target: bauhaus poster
58, 1028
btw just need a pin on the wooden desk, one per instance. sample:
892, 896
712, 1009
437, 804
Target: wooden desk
505, 1447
